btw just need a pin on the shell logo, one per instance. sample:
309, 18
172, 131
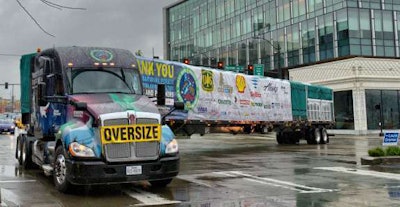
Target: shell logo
240, 83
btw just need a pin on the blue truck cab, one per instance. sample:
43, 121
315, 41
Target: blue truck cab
88, 122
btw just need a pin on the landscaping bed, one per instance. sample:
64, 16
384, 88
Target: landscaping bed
382, 156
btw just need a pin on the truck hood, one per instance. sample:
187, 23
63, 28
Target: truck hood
98, 104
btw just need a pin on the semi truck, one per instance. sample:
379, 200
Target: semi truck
216, 98
88, 122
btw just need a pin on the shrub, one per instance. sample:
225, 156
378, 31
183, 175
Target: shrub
392, 151
376, 152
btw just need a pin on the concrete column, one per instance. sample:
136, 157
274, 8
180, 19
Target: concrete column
360, 110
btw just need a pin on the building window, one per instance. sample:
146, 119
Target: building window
382, 106
344, 115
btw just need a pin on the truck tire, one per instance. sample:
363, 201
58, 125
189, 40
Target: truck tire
314, 136
279, 137
324, 136
18, 150
160, 183
26, 153
60, 171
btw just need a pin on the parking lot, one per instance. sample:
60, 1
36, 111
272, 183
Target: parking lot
229, 170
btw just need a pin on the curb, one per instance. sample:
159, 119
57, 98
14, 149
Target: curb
368, 160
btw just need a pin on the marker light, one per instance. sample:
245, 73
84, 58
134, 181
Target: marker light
133, 65
96, 64
104, 64
70, 64
112, 64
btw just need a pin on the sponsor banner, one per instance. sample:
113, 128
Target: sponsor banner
211, 94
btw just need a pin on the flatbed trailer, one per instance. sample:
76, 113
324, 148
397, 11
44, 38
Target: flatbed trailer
218, 98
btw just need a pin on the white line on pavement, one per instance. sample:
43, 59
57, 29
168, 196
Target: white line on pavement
17, 181
391, 176
148, 199
283, 184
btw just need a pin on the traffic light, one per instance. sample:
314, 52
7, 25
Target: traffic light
186, 61
250, 69
220, 65
6, 85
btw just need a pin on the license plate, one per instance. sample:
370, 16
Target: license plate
133, 170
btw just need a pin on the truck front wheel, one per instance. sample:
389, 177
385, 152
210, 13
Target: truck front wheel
60, 172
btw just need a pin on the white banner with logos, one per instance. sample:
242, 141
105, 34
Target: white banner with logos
224, 95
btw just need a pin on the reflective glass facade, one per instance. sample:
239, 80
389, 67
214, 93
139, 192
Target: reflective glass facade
280, 33
383, 106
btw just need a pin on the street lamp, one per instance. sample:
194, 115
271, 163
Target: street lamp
276, 46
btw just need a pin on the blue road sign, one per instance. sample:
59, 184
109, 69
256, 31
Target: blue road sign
391, 138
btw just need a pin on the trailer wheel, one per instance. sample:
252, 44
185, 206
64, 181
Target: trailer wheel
26, 153
324, 136
317, 135
160, 183
279, 137
60, 171
314, 136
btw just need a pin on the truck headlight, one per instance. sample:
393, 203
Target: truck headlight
78, 150
172, 147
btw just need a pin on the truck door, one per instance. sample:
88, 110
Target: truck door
48, 99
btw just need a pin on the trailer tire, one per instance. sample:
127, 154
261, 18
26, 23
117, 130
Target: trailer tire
160, 183
60, 171
314, 136
279, 137
324, 136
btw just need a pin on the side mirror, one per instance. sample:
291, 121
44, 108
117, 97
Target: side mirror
81, 106
179, 105
161, 94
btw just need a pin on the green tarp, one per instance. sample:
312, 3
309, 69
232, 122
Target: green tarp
25, 78
299, 103
319, 92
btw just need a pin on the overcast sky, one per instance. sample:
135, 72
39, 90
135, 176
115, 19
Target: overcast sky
127, 24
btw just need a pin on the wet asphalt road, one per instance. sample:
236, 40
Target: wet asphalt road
229, 170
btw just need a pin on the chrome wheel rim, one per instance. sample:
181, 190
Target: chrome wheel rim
317, 135
60, 169
324, 135
23, 153
18, 149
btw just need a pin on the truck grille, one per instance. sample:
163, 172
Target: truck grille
135, 151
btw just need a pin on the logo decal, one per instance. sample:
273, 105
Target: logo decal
240, 83
207, 80
187, 89
101, 55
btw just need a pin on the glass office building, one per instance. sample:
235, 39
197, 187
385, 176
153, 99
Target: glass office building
285, 34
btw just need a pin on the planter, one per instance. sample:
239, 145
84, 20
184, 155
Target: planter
386, 160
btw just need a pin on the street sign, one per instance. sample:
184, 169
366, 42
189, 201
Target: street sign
391, 138
259, 69
234, 68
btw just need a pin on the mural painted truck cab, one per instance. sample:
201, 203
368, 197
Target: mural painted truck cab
88, 122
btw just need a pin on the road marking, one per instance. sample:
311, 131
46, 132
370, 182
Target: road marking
148, 199
277, 183
391, 176
8, 198
17, 181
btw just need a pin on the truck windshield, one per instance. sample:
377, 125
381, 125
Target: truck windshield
105, 80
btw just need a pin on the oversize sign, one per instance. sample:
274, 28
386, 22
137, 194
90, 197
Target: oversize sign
391, 138
130, 133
